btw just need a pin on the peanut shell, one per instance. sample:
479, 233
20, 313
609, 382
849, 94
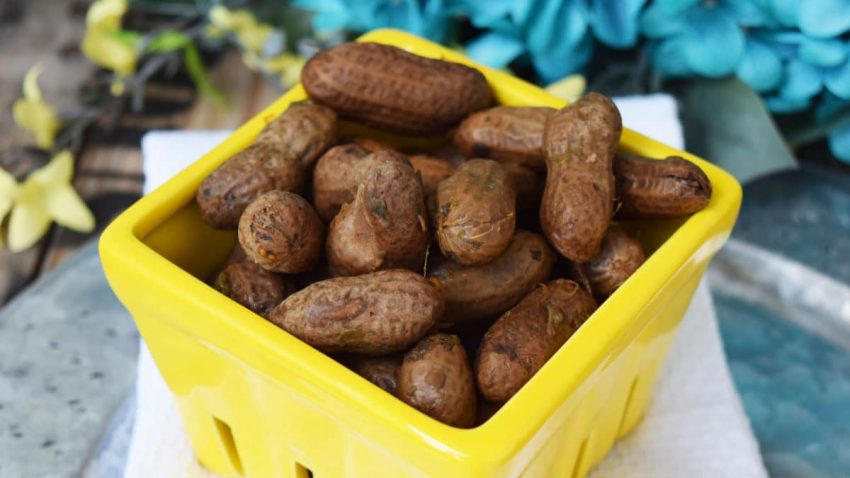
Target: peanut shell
389, 88
374, 314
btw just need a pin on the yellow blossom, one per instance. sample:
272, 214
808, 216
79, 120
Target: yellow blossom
288, 66
46, 195
8, 192
570, 88
252, 60
104, 43
250, 33
106, 13
117, 87
33, 114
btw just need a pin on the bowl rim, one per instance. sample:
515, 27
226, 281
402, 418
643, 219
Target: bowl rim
509, 430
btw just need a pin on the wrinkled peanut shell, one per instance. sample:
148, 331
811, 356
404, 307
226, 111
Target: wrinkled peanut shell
382, 370
524, 338
505, 133
252, 286
579, 143
281, 232
620, 256
436, 379
476, 212
672, 186
374, 314
384, 227
473, 293
391, 89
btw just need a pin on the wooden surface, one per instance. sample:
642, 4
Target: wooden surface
109, 170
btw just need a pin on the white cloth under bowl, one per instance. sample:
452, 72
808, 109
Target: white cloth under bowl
695, 425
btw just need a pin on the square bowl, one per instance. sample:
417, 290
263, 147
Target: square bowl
258, 402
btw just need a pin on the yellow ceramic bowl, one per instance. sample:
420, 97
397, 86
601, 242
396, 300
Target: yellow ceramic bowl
258, 402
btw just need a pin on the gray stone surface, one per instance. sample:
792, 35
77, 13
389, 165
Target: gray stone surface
67, 362
803, 215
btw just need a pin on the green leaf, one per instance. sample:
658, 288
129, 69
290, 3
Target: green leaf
726, 122
168, 41
195, 67
126, 37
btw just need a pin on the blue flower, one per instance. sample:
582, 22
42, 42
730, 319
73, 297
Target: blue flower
760, 65
556, 36
808, 66
429, 18
695, 37
614, 22
824, 18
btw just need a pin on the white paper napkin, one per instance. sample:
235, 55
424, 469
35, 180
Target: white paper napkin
694, 427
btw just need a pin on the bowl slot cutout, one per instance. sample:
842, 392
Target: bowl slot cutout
302, 471
228, 444
627, 408
580, 458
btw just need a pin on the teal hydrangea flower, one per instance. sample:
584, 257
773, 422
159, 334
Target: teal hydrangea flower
427, 18
556, 36
808, 66
698, 37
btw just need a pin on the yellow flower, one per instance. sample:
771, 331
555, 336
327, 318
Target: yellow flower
287, 65
250, 33
33, 114
117, 87
104, 42
46, 195
570, 88
106, 13
252, 60
8, 192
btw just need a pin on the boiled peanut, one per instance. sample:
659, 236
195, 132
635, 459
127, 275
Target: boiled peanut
333, 181
281, 232
385, 227
579, 143
505, 133
620, 256
448, 152
252, 286
338, 173
370, 144
432, 170
375, 314
277, 160
304, 131
389, 88
382, 370
529, 186
524, 338
476, 212
436, 379
669, 187
484, 291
